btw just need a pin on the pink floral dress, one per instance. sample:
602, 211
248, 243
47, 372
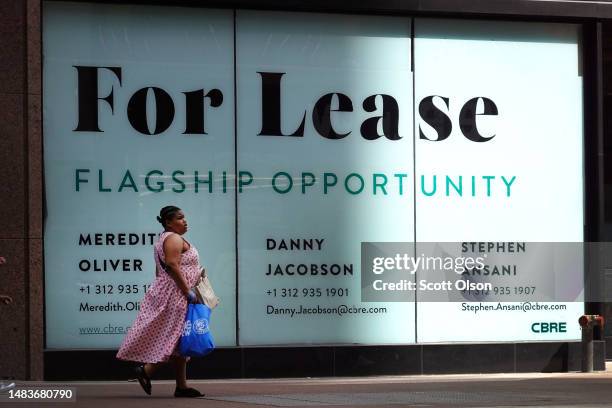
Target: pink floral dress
155, 333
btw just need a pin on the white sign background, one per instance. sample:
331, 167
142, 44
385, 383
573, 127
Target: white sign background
179, 51
529, 70
320, 54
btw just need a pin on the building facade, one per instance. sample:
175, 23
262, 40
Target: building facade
374, 188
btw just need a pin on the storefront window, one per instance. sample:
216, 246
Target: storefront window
291, 140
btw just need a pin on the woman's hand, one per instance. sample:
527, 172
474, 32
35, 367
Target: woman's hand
192, 297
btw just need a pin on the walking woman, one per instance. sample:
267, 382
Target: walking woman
153, 338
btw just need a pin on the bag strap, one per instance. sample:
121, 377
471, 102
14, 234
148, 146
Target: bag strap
161, 263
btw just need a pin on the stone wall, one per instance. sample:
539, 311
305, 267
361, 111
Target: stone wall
21, 191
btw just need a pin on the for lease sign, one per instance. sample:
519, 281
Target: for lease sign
289, 139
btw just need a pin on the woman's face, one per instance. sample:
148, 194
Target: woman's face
178, 224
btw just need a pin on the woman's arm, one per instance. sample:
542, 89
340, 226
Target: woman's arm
173, 247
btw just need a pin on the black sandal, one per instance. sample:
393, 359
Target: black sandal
187, 393
143, 379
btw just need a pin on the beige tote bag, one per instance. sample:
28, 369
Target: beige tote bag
205, 292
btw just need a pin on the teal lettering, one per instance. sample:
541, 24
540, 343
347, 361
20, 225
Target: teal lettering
289, 183
128, 181
306, 183
244, 182
508, 184
206, 181
178, 181
78, 180
435, 186
458, 189
488, 178
382, 185
400, 178
330, 183
101, 187
160, 184
346, 183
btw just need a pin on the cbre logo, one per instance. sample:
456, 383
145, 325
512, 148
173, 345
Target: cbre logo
549, 327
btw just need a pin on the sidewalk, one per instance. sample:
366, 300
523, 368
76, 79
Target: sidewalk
480, 390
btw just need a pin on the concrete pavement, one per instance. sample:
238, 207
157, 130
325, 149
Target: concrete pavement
480, 390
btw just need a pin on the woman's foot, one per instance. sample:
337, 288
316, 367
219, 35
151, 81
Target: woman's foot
143, 379
187, 393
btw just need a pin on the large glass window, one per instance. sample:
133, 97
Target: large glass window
324, 126
290, 139
510, 165
128, 129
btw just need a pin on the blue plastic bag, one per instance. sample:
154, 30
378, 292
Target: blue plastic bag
196, 341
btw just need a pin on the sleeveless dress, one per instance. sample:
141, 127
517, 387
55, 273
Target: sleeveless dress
154, 335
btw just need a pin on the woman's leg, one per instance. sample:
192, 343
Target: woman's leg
143, 375
182, 390
150, 368
180, 365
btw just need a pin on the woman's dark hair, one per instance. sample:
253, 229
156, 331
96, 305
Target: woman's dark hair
166, 214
